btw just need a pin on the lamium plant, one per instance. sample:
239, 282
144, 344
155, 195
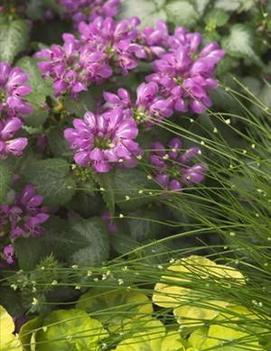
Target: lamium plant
134, 175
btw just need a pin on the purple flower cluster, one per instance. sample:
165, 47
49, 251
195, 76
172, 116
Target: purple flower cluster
23, 218
185, 72
173, 169
88, 10
182, 78
13, 107
149, 107
104, 46
104, 140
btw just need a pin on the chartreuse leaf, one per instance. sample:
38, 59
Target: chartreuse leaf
14, 36
41, 88
226, 333
8, 341
69, 330
27, 332
143, 335
194, 316
5, 180
181, 13
150, 335
187, 303
92, 236
172, 341
52, 179
115, 306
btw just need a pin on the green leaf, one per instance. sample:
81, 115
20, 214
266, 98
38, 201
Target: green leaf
201, 6
35, 9
40, 90
13, 38
52, 179
216, 18
29, 251
148, 11
233, 5
123, 244
92, 234
240, 43
12, 301
87, 204
131, 188
105, 182
227, 5
58, 240
86, 101
67, 330
144, 225
57, 144
5, 180
181, 13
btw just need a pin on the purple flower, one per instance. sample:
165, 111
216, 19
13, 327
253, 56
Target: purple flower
22, 218
73, 66
174, 169
104, 46
9, 144
88, 10
155, 39
9, 254
149, 108
185, 74
109, 222
25, 216
116, 39
13, 89
103, 140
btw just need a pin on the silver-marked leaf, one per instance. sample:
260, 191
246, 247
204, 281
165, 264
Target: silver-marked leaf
13, 38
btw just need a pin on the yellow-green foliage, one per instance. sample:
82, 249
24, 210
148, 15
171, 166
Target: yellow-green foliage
8, 341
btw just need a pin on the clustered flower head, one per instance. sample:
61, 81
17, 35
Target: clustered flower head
182, 77
104, 140
148, 108
185, 74
13, 89
104, 47
13, 108
88, 10
23, 218
174, 169
73, 66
